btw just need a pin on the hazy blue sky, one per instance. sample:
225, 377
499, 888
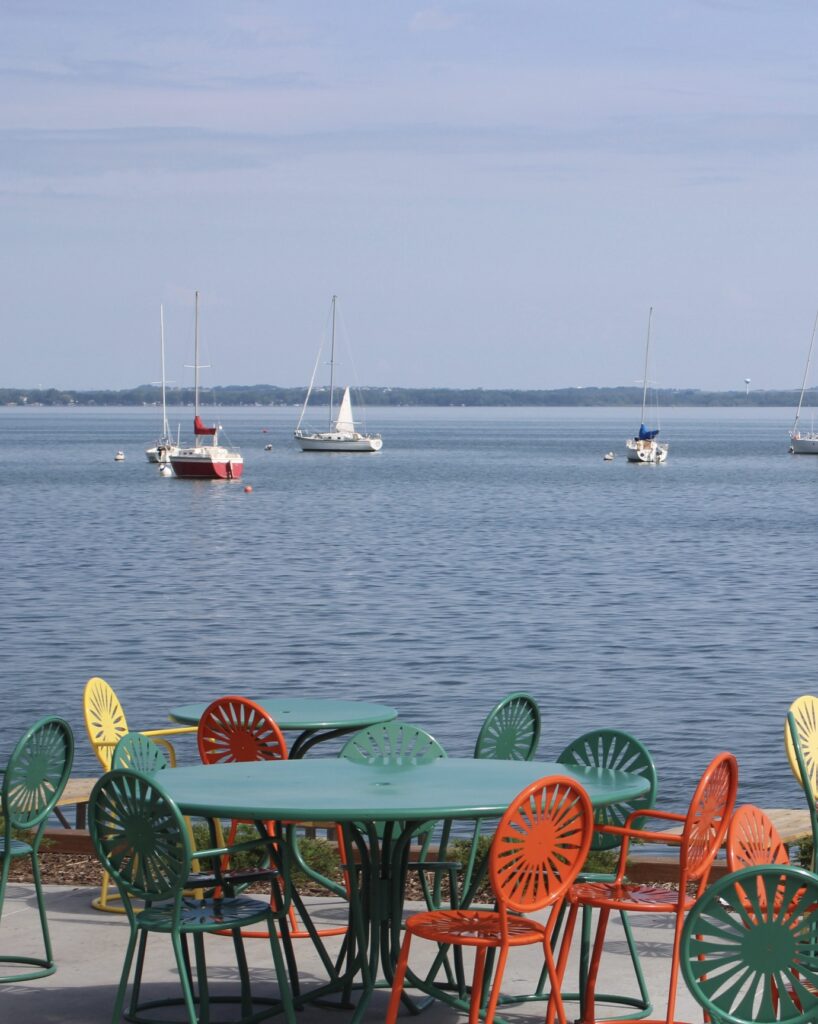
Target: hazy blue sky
497, 191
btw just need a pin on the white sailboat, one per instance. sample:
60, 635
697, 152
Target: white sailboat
644, 447
165, 446
804, 442
342, 435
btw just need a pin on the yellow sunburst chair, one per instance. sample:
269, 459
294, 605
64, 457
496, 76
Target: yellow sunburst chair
106, 724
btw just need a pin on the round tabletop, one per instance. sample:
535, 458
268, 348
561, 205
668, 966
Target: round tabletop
305, 712
340, 790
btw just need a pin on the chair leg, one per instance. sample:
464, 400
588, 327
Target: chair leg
555, 1004
644, 995
589, 1011
674, 964
244, 974
201, 978
107, 897
140, 964
477, 986
119, 1002
187, 993
38, 889
556, 972
491, 1009
398, 980
283, 976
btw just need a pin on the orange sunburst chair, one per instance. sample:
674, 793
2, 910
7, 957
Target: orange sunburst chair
537, 851
704, 828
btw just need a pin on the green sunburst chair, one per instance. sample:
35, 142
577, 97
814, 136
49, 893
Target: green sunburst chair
749, 952
141, 838
33, 781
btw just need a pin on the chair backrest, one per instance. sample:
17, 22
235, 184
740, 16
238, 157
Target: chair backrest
617, 750
801, 738
139, 753
139, 835
540, 845
753, 840
708, 818
801, 728
511, 731
238, 729
748, 947
104, 719
36, 774
392, 743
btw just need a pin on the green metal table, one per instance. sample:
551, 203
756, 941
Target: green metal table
316, 718
360, 798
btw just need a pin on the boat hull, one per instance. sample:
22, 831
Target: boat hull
645, 451
330, 443
203, 464
804, 444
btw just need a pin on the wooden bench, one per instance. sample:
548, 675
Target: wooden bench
76, 794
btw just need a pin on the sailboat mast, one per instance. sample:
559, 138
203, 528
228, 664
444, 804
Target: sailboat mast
806, 374
165, 425
645, 381
196, 358
332, 362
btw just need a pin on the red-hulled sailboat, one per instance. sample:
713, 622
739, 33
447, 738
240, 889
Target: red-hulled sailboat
205, 459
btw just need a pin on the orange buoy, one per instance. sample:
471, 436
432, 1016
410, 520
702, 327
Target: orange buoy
247, 489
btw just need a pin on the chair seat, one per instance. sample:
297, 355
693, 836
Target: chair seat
205, 915
628, 897
17, 848
473, 928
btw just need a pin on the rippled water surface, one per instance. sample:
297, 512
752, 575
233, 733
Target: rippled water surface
480, 552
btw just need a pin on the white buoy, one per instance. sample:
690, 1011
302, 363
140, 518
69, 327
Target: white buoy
165, 470
119, 457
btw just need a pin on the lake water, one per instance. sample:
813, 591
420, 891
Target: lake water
482, 551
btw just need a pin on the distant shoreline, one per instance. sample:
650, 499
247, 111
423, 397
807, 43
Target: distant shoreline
271, 395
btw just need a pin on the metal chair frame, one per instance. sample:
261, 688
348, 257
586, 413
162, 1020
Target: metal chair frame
510, 732
748, 947
703, 830
142, 840
539, 846
801, 741
33, 781
617, 750
106, 724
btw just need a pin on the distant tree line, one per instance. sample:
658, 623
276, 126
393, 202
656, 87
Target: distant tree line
269, 394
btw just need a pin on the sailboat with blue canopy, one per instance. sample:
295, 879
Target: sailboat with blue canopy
644, 447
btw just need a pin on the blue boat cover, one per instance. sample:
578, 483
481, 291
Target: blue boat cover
645, 434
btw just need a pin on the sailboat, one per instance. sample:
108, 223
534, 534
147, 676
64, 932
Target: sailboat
644, 447
165, 446
342, 435
804, 442
205, 459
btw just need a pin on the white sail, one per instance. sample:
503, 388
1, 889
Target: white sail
344, 424
341, 435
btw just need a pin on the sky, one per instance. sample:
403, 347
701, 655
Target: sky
496, 191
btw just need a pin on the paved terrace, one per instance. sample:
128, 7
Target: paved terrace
89, 947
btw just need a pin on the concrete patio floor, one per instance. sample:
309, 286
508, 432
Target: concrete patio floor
89, 947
